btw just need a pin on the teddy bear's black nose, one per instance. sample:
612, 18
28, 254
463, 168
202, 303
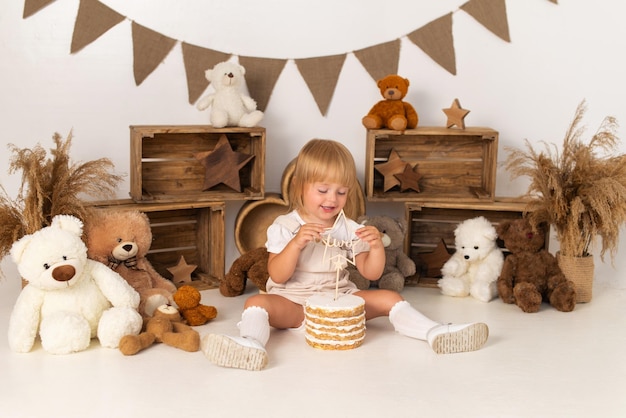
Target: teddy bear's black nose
128, 247
466, 257
63, 273
230, 75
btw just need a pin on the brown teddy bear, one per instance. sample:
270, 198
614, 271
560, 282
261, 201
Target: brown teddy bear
253, 266
530, 273
165, 327
392, 112
398, 265
187, 299
121, 239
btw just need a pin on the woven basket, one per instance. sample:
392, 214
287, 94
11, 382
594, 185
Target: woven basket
579, 270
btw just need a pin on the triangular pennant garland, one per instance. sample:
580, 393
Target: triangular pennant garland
33, 6
197, 61
262, 79
435, 39
380, 60
93, 20
149, 50
321, 75
491, 14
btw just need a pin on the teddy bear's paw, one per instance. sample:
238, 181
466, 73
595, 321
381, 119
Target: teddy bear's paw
251, 119
397, 123
452, 286
371, 122
484, 291
392, 281
116, 323
527, 297
152, 302
64, 333
563, 298
219, 119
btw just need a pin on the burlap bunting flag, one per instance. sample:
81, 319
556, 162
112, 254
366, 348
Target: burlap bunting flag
321, 75
197, 61
380, 60
435, 39
93, 20
262, 79
149, 50
33, 6
491, 14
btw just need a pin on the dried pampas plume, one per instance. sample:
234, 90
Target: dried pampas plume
581, 191
50, 186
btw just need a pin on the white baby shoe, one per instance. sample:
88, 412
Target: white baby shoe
457, 338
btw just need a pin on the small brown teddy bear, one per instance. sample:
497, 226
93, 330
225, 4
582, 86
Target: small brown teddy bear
530, 273
398, 265
121, 239
187, 299
165, 327
251, 265
392, 112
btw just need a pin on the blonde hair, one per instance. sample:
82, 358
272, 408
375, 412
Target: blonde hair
322, 160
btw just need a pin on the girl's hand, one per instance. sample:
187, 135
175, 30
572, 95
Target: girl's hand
371, 235
307, 233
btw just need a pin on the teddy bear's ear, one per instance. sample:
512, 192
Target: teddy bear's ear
242, 69
208, 73
68, 223
18, 248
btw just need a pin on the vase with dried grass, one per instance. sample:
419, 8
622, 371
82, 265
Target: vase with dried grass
580, 191
50, 186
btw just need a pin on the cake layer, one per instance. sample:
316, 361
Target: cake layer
325, 345
345, 306
334, 324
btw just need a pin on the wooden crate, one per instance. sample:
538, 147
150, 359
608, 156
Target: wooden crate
165, 167
455, 164
428, 223
194, 231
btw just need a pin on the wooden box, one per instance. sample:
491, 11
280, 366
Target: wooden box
194, 231
428, 224
166, 166
454, 164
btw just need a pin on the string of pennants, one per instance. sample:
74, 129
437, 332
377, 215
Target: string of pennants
321, 74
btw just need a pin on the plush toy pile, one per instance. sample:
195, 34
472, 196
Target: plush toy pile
531, 274
392, 112
398, 266
69, 299
229, 106
121, 240
474, 267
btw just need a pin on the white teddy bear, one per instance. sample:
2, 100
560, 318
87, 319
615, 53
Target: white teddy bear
476, 264
69, 299
229, 107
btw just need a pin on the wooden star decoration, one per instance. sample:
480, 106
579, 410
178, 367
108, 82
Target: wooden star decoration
393, 166
181, 272
222, 165
434, 261
409, 178
456, 115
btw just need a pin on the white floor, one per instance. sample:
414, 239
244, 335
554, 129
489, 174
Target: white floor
548, 364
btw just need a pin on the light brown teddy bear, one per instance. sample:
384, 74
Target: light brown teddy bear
392, 112
530, 273
398, 265
121, 239
249, 266
187, 299
165, 327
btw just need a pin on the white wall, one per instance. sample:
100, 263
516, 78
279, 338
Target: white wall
529, 88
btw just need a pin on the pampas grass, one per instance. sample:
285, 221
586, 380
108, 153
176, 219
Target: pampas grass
50, 186
580, 191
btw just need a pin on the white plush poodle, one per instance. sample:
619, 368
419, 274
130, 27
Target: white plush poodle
229, 106
69, 299
476, 264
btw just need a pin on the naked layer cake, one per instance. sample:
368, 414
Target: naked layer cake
334, 324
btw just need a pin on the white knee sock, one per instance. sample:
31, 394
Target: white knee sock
408, 321
255, 324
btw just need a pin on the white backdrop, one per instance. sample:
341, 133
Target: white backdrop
529, 88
